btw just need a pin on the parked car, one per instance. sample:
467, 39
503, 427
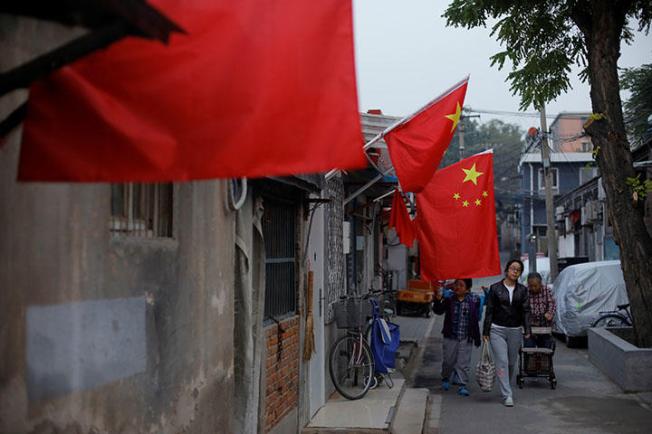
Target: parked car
582, 291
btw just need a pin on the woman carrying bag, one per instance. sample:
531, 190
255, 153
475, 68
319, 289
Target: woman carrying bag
507, 314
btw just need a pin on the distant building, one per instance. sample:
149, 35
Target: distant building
572, 165
584, 228
567, 133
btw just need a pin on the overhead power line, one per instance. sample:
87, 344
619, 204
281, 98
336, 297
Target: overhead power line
508, 113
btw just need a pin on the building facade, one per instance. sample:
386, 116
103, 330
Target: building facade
570, 169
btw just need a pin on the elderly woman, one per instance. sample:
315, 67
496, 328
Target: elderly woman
507, 314
542, 310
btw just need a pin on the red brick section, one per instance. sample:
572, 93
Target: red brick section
282, 376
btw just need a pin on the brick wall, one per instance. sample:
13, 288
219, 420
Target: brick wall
282, 372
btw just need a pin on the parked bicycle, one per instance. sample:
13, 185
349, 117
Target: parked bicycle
351, 364
621, 317
351, 360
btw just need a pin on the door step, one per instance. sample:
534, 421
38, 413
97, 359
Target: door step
372, 414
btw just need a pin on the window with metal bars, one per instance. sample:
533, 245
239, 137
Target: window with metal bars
279, 231
141, 210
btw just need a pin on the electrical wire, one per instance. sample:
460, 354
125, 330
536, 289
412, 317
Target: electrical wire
510, 113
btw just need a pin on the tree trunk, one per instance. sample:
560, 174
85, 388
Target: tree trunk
602, 29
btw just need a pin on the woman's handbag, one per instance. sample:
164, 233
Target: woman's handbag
485, 371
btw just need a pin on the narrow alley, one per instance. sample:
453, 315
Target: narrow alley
585, 401
280, 217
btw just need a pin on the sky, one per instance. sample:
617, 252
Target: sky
406, 56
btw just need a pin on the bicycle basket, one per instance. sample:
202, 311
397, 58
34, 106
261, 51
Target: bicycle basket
352, 314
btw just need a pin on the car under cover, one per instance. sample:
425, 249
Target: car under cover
582, 291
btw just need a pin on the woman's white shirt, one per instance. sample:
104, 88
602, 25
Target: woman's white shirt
510, 290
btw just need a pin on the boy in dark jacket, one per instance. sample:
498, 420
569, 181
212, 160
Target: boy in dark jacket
461, 331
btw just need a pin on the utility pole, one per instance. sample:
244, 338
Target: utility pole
551, 233
460, 132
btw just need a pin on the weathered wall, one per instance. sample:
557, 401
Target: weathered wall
282, 371
139, 332
335, 266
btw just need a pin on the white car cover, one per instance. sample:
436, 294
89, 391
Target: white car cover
582, 291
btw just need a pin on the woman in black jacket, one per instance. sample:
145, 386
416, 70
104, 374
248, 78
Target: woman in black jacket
508, 309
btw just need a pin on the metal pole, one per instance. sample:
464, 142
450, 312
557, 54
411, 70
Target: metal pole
532, 253
551, 233
461, 138
363, 188
406, 119
332, 172
383, 196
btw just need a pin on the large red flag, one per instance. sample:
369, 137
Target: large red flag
418, 145
457, 221
254, 89
400, 220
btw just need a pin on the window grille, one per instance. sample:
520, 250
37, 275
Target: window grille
279, 230
141, 210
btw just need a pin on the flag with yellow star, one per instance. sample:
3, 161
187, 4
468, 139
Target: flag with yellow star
417, 146
456, 220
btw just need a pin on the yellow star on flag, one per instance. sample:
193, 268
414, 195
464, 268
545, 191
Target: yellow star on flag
478, 202
472, 175
456, 196
485, 194
455, 117
465, 203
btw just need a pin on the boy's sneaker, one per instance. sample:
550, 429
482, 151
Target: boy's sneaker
463, 391
509, 402
445, 385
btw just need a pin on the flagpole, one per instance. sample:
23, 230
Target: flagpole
428, 105
400, 122
379, 136
363, 188
383, 196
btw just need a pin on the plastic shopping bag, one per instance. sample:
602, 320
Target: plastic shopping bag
485, 371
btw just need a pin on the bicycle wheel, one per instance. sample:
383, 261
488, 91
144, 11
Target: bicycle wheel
611, 320
351, 366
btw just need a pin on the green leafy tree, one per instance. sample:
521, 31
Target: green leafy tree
639, 105
542, 39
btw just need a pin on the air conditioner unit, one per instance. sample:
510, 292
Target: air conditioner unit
595, 210
589, 210
602, 195
559, 213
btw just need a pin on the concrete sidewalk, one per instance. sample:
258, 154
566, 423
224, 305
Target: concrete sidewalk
371, 414
383, 406
585, 401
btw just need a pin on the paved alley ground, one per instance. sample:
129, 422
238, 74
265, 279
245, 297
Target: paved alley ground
585, 401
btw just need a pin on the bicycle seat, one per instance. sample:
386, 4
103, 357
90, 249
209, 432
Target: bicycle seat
622, 306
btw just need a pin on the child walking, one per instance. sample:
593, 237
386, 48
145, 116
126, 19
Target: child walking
461, 331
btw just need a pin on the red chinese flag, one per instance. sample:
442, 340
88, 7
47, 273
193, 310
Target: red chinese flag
457, 221
254, 89
400, 220
418, 145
